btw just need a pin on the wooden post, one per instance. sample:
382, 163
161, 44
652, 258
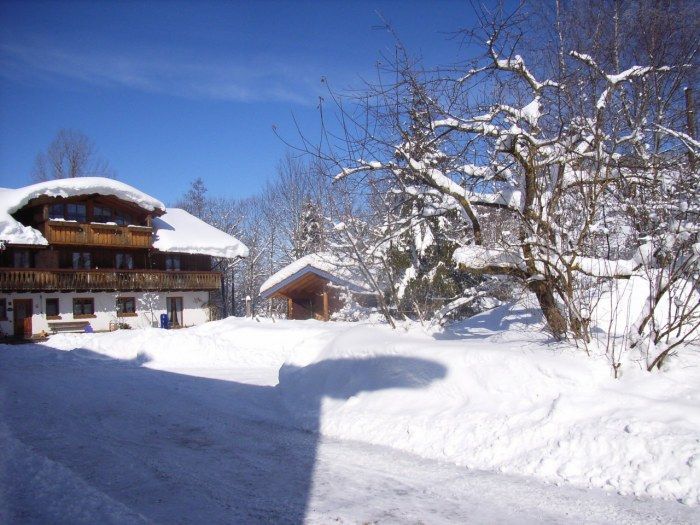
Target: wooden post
248, 309
290, 308
326, 313
224, 302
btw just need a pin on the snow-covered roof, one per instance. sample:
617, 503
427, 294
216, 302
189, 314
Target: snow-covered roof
175, 231
323, 264
11, 230
179, 231
12, 200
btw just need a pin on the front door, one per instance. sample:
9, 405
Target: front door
22, 311
174, 305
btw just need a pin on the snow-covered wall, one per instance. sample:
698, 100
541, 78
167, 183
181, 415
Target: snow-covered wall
194, 309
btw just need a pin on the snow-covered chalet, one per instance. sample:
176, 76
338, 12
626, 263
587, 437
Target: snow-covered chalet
94, 254
317, 286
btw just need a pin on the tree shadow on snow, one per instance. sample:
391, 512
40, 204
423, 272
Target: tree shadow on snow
508, 317
168, 447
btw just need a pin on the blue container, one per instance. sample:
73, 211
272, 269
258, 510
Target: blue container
164, 323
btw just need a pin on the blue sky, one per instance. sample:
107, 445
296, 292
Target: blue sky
174, 91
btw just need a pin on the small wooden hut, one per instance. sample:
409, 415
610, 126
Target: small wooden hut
315, 287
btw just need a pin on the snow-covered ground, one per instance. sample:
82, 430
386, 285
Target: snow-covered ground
483, 422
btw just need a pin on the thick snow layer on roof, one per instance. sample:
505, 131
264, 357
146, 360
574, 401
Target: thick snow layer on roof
11, 230
324, 264
12, 200
178, 231
82, 186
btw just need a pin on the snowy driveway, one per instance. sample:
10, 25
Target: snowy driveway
85, 438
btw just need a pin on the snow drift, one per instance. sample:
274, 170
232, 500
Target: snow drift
509, 403
490, 393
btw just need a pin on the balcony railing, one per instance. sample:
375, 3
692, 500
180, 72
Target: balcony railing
35, 280
66, 232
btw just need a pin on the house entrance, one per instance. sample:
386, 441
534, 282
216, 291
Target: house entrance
174, 305
22, 313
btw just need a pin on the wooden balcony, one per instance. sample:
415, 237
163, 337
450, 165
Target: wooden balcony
95, 234
35, 280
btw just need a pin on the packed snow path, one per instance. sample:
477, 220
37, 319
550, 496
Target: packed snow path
89, 439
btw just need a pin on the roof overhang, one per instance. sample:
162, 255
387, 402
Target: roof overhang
278, 289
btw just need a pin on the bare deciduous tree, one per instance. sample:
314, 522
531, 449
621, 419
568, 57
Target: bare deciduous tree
70, 154
572, 144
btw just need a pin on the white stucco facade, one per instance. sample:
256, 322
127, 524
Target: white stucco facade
148, 305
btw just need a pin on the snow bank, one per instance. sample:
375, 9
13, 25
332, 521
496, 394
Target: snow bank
12, 200
490, 393
226, 344
179, 231
507, 403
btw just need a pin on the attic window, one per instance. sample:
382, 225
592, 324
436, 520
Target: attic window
56, 211
101, 214
76, 212
122, 219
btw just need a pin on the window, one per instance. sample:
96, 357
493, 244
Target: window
21, 259
122, 219
172, 262
52, 308
76, 212
124, 261
3, 309
81, 260
126, 306
57, 211
83, 306
101, 214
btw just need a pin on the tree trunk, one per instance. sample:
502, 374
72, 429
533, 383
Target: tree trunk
555, 319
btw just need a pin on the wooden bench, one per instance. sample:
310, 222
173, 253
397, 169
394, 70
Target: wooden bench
68, 326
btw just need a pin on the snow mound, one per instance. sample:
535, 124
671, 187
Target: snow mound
490, 393
226, 344
179, 231
506, 402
